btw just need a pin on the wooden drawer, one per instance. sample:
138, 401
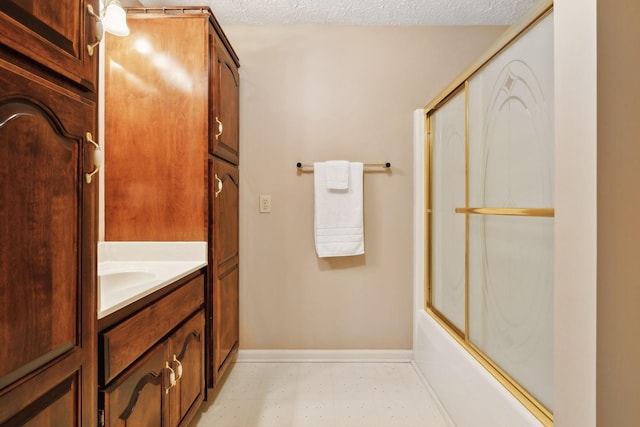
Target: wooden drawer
128, 340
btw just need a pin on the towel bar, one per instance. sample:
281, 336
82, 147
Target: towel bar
386, 165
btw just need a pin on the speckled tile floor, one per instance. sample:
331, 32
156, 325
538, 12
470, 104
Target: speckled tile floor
322, 395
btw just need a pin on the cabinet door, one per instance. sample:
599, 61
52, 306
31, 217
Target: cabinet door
137, 398
225, 261
186, 354
226, 94
48, 254
53, 33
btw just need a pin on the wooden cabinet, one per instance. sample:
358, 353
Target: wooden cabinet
161, 107
186, 357
152, 363
55, 34
226, 109
171, 138
47, 216
225, 264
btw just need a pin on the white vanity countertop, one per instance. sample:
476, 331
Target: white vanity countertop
128, 271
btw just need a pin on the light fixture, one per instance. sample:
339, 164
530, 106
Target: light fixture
115, 19
112, 19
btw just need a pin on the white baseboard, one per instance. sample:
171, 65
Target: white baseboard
404, 356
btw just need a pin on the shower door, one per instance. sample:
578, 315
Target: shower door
491, 215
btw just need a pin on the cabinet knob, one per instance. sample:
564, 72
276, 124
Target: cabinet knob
178, 369
97, 158
220, 128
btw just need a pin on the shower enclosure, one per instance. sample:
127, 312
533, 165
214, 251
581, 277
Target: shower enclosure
489, 213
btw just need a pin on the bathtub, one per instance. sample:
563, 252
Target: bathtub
471, 396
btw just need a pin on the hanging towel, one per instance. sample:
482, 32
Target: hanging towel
338, 215
337, 174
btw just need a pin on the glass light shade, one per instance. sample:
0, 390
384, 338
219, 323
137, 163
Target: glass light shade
115, 20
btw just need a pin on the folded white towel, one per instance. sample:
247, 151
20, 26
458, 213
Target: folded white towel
337, 174
338, 215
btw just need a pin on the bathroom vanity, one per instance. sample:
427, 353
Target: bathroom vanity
151, 358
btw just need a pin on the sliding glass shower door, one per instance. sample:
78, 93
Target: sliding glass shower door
491, 215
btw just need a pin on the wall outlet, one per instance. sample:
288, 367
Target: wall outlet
265, 203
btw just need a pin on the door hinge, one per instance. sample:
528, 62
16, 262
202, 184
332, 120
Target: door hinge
100, 417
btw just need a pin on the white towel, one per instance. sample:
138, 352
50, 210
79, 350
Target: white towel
337, 174
338, 218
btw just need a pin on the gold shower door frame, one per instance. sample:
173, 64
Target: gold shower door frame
461, 86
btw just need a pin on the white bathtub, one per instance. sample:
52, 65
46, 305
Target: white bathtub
471, 396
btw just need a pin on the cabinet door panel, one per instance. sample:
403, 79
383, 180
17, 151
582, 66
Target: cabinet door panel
225, 141
43, 287
225, 214
225, 261
227, 315
55, 34
137, 400
187, 347
47, 267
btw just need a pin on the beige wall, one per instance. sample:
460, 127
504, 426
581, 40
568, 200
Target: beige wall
618, 350
315, 93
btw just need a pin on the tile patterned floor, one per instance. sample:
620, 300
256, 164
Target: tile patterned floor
322, 395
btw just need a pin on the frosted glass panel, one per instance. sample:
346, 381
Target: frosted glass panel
511, 297
448, 228
511, 165
511, 125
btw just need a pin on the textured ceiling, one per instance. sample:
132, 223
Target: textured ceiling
360, 12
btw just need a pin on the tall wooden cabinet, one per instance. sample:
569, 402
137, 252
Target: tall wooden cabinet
172, 152
47, 215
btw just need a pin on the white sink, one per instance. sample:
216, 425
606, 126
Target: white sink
128, 271
125, 279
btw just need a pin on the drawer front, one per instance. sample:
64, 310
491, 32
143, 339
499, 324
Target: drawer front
127, 341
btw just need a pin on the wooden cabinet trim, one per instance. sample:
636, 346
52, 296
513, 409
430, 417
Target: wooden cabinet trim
34, 364
186, 12
40, 403
27, 390
149, 378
